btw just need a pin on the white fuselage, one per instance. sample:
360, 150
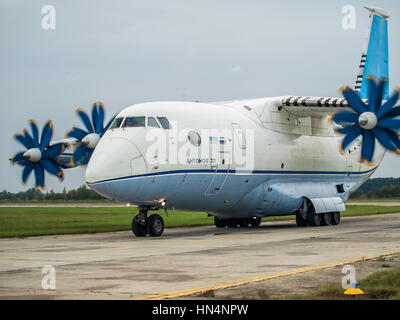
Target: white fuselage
254, 158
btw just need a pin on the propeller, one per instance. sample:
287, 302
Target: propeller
372, 120
40, 156
88, 138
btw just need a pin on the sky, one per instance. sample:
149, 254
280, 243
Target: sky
126, 52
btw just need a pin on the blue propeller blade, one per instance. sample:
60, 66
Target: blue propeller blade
345, 116
51, 167
54, 151
387, 139
76, 133
98, 117
85, 119
388, 105
395, 140
79, 154
345, 129
47, 134
35, 133
395, 112
22, 139
27, 171
107, 126
350, 137
29, 138
388, 123
354, 100
95, 118
18, 157
373, 100
368, 146
39, 176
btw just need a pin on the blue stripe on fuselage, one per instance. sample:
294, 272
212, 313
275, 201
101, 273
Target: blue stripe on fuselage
233, 172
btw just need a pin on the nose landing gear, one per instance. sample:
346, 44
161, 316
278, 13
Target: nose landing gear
143, 225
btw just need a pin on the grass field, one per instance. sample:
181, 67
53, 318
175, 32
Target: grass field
20, 222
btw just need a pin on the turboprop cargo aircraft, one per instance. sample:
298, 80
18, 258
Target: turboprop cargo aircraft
237, 160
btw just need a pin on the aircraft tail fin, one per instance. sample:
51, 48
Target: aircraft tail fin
374, 59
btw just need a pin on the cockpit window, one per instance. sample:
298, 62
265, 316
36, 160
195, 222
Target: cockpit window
164, 122
134, 122
152, 122
116, 123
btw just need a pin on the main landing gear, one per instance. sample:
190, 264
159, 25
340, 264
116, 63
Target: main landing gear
143, 225
236, 222
306, 216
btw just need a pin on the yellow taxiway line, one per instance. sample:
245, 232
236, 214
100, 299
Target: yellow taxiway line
235, 283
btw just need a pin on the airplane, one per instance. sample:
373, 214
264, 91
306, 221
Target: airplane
239, 160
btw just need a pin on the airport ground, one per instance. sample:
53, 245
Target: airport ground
276, 260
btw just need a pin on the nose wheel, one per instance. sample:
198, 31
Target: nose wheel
143, 225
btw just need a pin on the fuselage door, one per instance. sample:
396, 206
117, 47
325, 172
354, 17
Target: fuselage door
220, 169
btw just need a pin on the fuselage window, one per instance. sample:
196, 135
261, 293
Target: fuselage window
164, 122
152, 122
134, 122
116, 123
194, 138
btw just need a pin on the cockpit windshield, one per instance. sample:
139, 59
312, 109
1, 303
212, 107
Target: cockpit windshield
116, 123
131, 122
134, 122
164, 122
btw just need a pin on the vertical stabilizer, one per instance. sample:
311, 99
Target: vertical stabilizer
375, 59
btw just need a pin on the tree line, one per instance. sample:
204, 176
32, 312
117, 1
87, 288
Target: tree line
81, 193
378, 188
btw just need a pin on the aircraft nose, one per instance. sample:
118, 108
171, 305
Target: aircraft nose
111, 159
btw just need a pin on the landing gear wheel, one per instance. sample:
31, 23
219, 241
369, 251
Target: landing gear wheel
219, 223
232, 223
255, 221
244, 223
326, 219
301, 222
335, 218
155, 225
314, 219
138, 228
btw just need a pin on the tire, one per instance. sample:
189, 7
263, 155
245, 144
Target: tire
335, 218
314, 219
232, 223
255, 221
326, 219
138, 229
301, 222
155, 225
219, 223
244, 223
